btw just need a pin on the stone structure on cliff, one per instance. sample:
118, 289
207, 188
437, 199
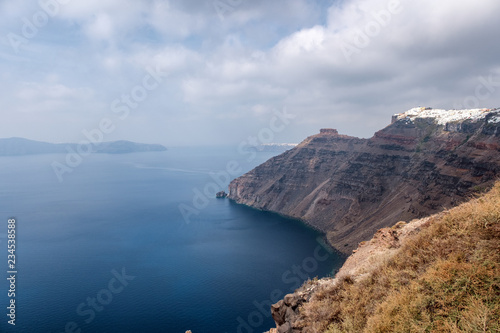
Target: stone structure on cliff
425, 161
328, 131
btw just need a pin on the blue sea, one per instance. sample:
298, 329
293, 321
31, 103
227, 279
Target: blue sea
138, 243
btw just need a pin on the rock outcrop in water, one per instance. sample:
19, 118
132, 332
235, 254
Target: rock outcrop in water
221, 195
425, 161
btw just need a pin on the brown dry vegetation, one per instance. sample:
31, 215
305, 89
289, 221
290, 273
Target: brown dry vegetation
446, 278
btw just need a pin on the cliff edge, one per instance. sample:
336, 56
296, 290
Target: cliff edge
436, 274
427, 160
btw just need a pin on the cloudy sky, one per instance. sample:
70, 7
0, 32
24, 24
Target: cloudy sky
196, 72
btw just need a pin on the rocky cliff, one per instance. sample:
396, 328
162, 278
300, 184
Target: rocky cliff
365, 260
347, 187
436, 274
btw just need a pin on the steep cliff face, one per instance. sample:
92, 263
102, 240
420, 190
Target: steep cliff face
425, 161
436, 274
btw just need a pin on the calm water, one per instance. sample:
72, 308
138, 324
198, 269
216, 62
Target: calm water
108, 249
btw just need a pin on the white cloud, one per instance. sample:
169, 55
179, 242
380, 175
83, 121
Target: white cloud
101, 27
33, 91
172, 59
263, 56
303, 42
405, 56
173, 22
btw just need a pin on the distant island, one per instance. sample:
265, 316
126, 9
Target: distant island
272, 147
21, 146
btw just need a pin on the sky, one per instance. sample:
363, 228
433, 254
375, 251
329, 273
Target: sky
196, 72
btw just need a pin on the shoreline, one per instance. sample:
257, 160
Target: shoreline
305, 223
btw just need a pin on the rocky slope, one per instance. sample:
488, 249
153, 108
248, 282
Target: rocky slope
425, 161
436, 274
367, 258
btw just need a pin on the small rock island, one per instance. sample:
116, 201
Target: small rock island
221, 195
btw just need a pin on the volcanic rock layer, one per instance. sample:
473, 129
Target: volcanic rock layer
425, 161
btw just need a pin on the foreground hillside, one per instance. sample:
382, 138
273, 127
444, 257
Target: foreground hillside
425, 161
437, 274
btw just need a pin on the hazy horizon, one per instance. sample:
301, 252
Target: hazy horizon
193, 73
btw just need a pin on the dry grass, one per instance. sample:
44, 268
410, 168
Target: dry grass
444, 279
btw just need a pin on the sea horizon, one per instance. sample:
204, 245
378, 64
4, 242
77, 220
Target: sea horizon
109, 249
